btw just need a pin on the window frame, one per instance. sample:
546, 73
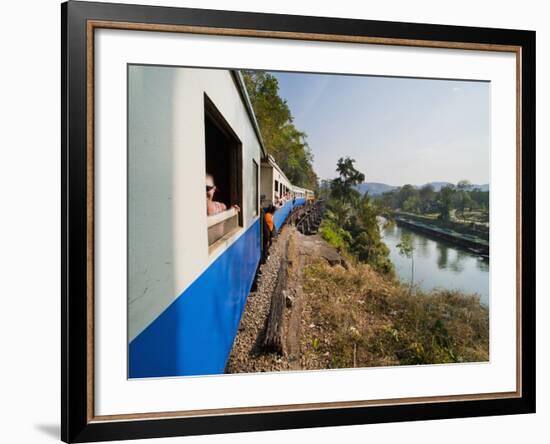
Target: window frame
216, 117
256, 173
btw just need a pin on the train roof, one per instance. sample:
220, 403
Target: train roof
295, 188
269, 159
271, 162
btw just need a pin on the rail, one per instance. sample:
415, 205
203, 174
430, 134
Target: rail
308, 218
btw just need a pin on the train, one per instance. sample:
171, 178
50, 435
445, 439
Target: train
190, 272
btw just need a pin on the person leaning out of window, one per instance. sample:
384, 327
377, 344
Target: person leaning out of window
212, 206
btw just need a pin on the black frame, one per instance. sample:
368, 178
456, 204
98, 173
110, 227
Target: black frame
75, 426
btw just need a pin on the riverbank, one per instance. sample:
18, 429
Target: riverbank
343, 314
471, 240
480, 230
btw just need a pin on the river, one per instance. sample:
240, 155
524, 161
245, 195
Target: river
438, 264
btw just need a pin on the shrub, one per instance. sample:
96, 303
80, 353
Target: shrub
334, 235
370, 320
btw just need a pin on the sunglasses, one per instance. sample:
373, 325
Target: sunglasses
210, 187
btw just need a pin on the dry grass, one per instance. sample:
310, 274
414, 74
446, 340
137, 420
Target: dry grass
357, 318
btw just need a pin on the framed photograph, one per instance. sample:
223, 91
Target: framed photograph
276, 221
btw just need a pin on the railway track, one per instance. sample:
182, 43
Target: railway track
308, 218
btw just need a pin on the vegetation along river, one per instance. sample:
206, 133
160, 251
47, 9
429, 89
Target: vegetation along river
438, 264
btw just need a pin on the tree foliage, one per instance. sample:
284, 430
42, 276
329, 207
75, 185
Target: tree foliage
343, 187
282, 139
406, 248
351, 222
444, 202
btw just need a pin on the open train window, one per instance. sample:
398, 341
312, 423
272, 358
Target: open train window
224, 170
256, 187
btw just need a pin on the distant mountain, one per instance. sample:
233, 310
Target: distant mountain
376, 188
438, 185
483, 187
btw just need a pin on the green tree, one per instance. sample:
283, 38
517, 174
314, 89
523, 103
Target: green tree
463, 201
351, 221
368, 244
427, 197
404, 193
387, 200
340, 212
324, 189
446, 197
462, 196
412, 204
343, 187
406, 248
281, 138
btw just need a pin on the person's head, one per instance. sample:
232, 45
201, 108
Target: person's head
210, 186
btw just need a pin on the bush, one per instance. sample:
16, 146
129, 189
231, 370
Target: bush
334, 235
356, 231
368, 320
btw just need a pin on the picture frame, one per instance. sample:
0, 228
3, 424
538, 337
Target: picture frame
80, 21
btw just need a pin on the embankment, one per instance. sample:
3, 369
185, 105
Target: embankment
343, 314
359, 318
474, 241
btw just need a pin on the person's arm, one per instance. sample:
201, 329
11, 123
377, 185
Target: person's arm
214, 207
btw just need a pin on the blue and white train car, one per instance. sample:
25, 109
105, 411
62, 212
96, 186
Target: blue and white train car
277, 190
301, 195
189, 274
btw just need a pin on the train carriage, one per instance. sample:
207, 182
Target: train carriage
277, 190
300, 195
191, 131
189, 274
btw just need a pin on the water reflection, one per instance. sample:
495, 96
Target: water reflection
443, 255
422, 248
438, 264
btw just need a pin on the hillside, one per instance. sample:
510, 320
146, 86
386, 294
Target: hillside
374, 188
343, 314
377, 188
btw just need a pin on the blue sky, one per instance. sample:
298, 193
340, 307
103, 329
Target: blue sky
398, 130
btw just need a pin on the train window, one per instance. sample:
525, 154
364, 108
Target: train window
276, 187
223, 151
256, 187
